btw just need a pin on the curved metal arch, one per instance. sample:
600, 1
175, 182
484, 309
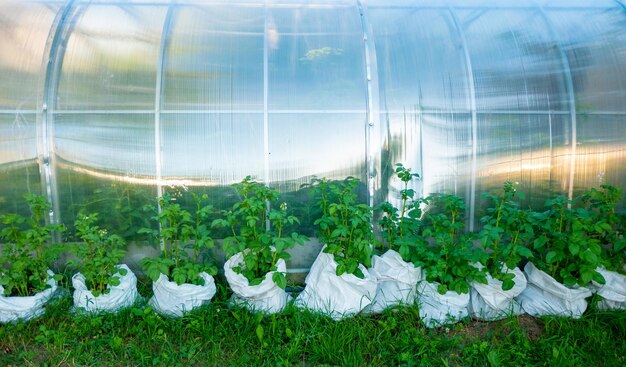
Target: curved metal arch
474, 134
48, 87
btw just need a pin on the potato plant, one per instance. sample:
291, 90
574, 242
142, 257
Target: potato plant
25, 258
505, 233
609, 226
258, 231
565, 246
98, 255
396, 225
182, 233
344, 224
448, 256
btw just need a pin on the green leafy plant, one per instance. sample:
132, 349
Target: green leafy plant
565, 246
25, 257
448, 257
185, 239
258, 231
344, 224
397, 225
98, 255
506, 231
609, 226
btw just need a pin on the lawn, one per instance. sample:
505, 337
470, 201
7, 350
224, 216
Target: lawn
216, 335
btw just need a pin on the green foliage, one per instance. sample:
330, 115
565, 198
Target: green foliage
397, 226
505, 233
565, 246
25, 258
181, 231
448, 256
609, 227
98, 255
344, 225
258, 231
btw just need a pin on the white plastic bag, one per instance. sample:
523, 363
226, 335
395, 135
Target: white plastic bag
490, 302
337, 296
171, 299
397, 281
440, 309
121, 296
265, 297
545, 296
26, 308
613, 291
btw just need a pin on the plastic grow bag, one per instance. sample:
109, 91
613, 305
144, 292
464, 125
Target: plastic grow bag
397, 281
440, 309
337, 296
545, 296
490, 302
265, 297
120, 296
26, 308
171, 299
613, 291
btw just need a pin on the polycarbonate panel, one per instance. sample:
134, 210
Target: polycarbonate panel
302, 145
516, 64
110, 60
214, 59
107, 145
446, 153
24, 28
522, 149
119, 202
17, 138
316, 59
595, 44
211, 149
420, 60
19, 172
600, 150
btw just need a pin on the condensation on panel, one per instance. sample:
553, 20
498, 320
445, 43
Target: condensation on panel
516, 64
19, 171
17, 138
446, 153
402, 143
600, 151
316, 59
211, 149
420, 60
595, 44
302, 145
24, 28
111, 58
214, 59
519, 148
121, 205
108, 146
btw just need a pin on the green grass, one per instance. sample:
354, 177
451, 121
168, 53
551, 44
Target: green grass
216, 335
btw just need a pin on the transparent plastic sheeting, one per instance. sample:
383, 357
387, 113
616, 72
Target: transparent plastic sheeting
106, 104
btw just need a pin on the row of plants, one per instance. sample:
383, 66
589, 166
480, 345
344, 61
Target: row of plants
423, 252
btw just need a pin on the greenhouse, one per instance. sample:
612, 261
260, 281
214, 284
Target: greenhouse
313, 182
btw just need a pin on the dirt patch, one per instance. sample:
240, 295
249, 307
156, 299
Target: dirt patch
485, 330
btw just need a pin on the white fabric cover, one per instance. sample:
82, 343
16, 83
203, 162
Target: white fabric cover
440, 309
490, 302
613, 291
397, 281
545, 296
266, 297
26, 308
121, 296
337, 296
171, 299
